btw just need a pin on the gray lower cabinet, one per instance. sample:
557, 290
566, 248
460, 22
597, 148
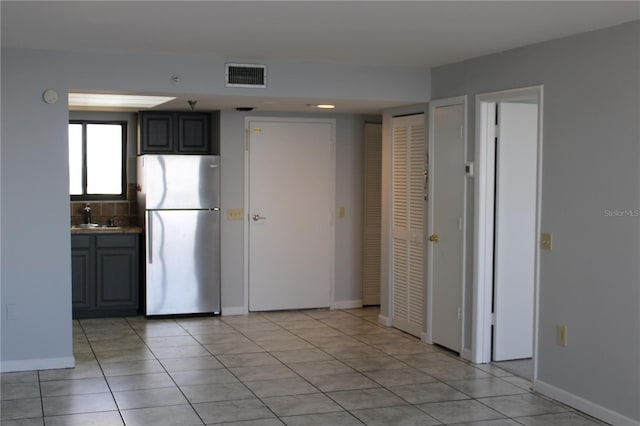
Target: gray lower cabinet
105, 279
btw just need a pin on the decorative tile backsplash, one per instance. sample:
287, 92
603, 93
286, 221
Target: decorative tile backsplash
123, 213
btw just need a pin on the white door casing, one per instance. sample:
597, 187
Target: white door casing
481, 350
446, 201
407, 221
290, 213
515, 238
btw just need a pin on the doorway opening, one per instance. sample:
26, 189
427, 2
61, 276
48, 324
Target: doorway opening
508, 185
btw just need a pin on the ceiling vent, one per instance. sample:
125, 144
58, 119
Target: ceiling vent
246, 75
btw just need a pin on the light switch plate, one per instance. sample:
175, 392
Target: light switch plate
341, 212
235, 214
561, 335
546, 239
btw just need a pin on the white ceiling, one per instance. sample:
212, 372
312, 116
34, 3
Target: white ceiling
415, 33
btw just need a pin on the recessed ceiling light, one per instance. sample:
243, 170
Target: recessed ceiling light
102, 100
321, 106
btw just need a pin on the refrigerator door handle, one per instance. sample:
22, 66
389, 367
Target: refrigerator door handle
150, 235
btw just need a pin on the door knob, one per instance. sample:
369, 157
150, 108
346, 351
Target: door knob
257, 217
434, 237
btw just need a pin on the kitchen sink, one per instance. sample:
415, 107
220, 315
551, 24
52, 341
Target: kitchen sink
87, 225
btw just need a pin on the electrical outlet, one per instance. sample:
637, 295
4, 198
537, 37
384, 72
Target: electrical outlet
561, 335
341, 212
235, 214
546, 239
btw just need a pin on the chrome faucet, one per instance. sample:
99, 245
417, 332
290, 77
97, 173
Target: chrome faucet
87, 213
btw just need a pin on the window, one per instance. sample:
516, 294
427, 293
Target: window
97, 155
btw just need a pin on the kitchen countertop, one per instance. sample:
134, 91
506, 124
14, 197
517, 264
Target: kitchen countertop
107, 230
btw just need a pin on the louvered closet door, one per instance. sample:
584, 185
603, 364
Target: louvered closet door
408, 210
372, 214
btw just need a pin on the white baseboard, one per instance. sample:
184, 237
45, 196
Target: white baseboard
233, 310
584, 405
382, 320
37, 364
347, 304
467, 354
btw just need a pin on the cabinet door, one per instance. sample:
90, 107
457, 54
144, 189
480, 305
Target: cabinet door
156, 133
81, 278
116, 272
193, 134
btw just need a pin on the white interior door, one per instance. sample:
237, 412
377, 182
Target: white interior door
291, 201
515, 235
446, 200
408, 208
371, 247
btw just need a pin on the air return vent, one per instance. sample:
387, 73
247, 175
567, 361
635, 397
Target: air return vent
246, 75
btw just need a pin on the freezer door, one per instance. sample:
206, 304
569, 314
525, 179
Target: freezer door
181, 181
183, 262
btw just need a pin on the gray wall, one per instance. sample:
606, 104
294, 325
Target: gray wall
591, 165
35, 260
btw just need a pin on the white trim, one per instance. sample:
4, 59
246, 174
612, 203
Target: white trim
347, 304
458, 100
483, 242
386, 321
423, 337
37, 364
332, 255
584, 405
466, 354
233, 310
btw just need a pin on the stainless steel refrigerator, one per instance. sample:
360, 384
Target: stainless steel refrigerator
179, 204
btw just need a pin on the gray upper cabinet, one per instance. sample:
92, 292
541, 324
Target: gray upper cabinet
105, 275
175, 133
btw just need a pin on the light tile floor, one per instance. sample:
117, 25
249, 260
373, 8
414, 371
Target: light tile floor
314, 367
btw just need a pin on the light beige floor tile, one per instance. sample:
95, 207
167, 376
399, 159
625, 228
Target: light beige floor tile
20, 409
127, 368
146, 398
335, 342
74, 387
338, 418
125, 355
170, 341
18, 377
233, 411
460, 411
403, 376
180, 352
190, 364
480, 388
259, 422
366, 398
216, 392
106, 418
247, 374
302, 355
140, 381
285, 345
248, 360
24, 422
176, 415
427, 392
522, 405
203, 377
85, 370
563, 419
233, 348
375, 363
21, 390
396, 416
320, 368
281, 387
343, 353
76, 404
456, 372
297, 325
219, 339
338, 382
293, 405
311, 333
